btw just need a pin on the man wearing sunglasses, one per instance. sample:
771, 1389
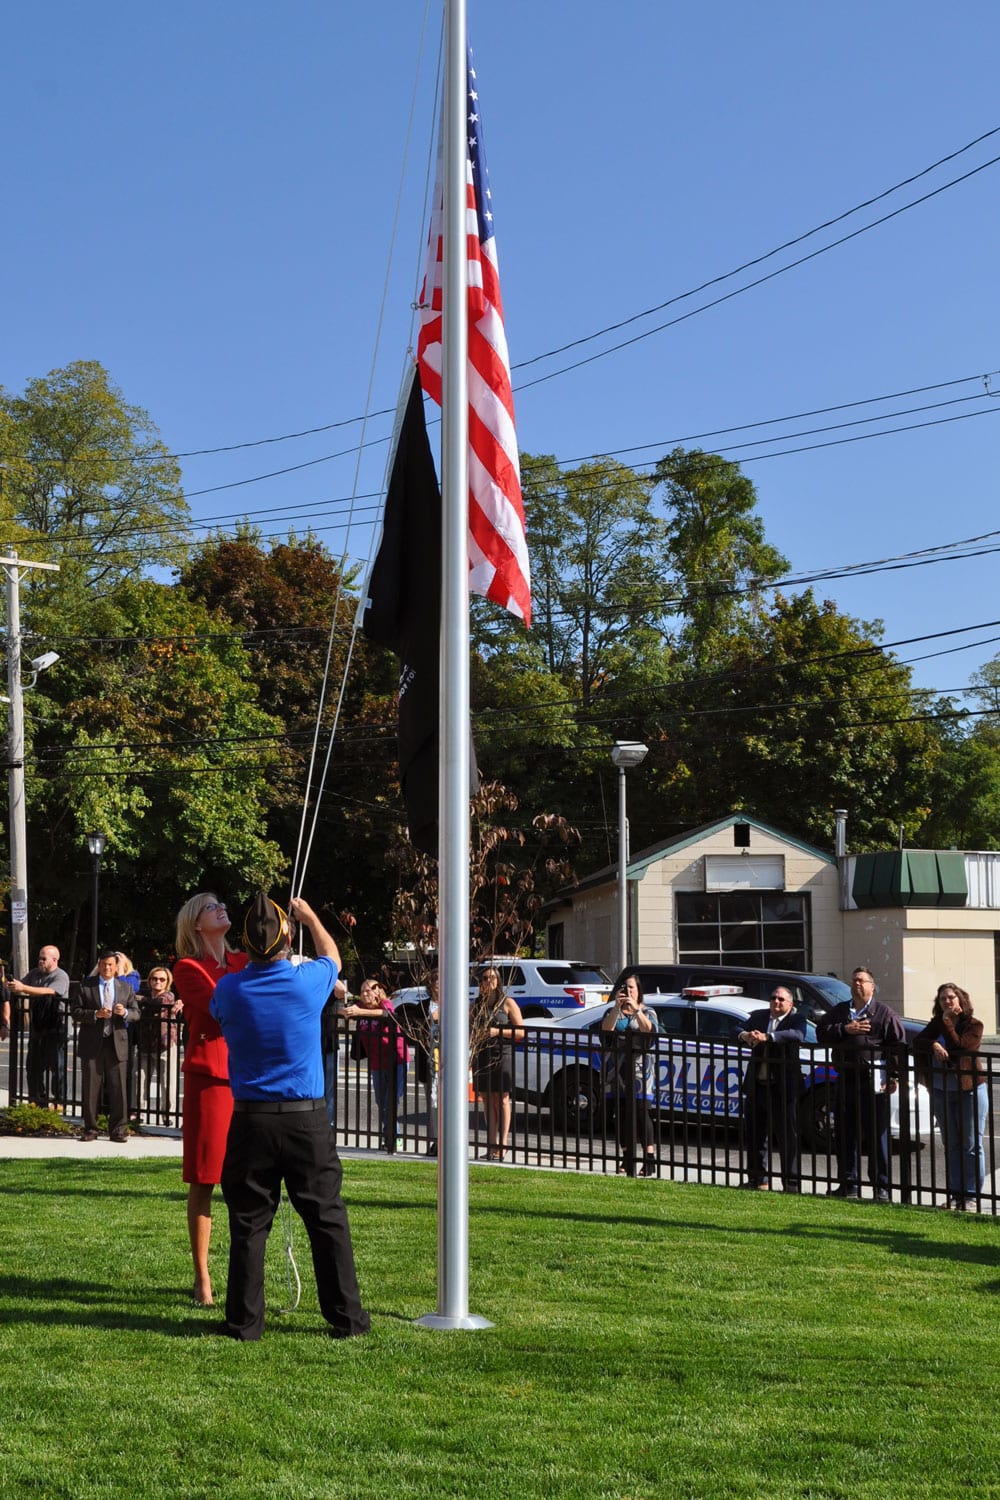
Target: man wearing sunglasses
771, 1087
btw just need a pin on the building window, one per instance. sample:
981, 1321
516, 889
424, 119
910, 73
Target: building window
754, 929
554, 940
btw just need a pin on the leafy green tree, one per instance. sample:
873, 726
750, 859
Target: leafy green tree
965, 797
87, 483
150, 733
282, 597
597, 574
715, 549
801, 716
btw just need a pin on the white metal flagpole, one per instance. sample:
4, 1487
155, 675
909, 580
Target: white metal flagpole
453, 772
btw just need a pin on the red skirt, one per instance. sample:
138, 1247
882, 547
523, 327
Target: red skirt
208, 1109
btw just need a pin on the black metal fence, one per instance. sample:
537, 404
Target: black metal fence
694, 1113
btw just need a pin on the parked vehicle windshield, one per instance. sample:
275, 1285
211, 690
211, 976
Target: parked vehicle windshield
834, 989
560, 973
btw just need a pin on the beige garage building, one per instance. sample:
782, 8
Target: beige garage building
741, 892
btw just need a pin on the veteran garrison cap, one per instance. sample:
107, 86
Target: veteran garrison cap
265, 927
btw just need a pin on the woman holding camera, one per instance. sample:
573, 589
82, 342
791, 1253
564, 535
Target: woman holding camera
628, 1030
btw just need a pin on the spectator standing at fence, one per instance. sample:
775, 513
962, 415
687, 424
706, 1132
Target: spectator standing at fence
771, 1087
105, 1008
46, 990
126, 971
159, 1019
384, 1045
948, 1060
866, 1037
270, 1016
429, 1059
628, 1031
496, 1023
203, 957
330, 1045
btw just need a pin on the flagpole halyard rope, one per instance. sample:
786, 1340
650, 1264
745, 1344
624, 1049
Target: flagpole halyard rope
305, 841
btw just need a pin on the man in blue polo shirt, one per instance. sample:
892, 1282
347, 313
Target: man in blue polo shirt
270, 1017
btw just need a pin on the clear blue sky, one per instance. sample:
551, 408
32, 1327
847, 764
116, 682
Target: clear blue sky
202, 198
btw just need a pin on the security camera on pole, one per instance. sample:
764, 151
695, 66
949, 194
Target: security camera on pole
626, 754
12, 567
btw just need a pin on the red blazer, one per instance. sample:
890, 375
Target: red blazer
194, 983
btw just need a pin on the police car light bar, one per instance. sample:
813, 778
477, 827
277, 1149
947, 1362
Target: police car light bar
711, 991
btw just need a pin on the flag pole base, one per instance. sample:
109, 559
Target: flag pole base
470, 1321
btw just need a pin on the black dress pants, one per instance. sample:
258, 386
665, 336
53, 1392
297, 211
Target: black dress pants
106, 1068
262, 1150
772, 1118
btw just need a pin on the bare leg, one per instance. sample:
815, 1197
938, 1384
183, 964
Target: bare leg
505, 1118
199, 1215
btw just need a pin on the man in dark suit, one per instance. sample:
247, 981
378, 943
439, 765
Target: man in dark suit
867, 1043
105, 1006
771, 1085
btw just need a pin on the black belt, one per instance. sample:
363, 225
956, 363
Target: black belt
276, 1106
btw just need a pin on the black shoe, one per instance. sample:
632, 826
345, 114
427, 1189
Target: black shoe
357, 1332
227, 1331
755, 1187
432, 1148
844, 1191
882, 1196
649, 1166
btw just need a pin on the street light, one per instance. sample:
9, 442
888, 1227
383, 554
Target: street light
95, 843
626, 754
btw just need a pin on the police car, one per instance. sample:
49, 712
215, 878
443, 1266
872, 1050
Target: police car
699, 1067
543, 987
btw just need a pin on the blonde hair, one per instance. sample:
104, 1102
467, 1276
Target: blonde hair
161, 969
371, 985
124, 963
187, 942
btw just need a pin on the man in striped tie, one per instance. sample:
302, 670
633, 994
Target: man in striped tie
104, 1009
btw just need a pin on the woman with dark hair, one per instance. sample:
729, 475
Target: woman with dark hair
203, 956
627, 1033
495, 1020
948, 1058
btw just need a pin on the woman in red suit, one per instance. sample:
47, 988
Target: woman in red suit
203, 956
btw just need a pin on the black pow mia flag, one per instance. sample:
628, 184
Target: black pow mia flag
403, 612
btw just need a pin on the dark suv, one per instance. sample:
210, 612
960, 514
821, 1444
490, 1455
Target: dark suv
814, 994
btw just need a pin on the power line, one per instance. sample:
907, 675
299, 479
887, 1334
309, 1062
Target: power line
615, 327
759, 281
769, 254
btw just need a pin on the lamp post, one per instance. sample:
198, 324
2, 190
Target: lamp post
626, 754
95, 843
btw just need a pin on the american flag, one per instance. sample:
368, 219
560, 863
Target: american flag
498, 550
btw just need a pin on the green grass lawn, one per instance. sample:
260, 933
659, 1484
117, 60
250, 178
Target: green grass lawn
650, 1340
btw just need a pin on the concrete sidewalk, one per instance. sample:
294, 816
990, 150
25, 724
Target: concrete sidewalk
40, 1148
